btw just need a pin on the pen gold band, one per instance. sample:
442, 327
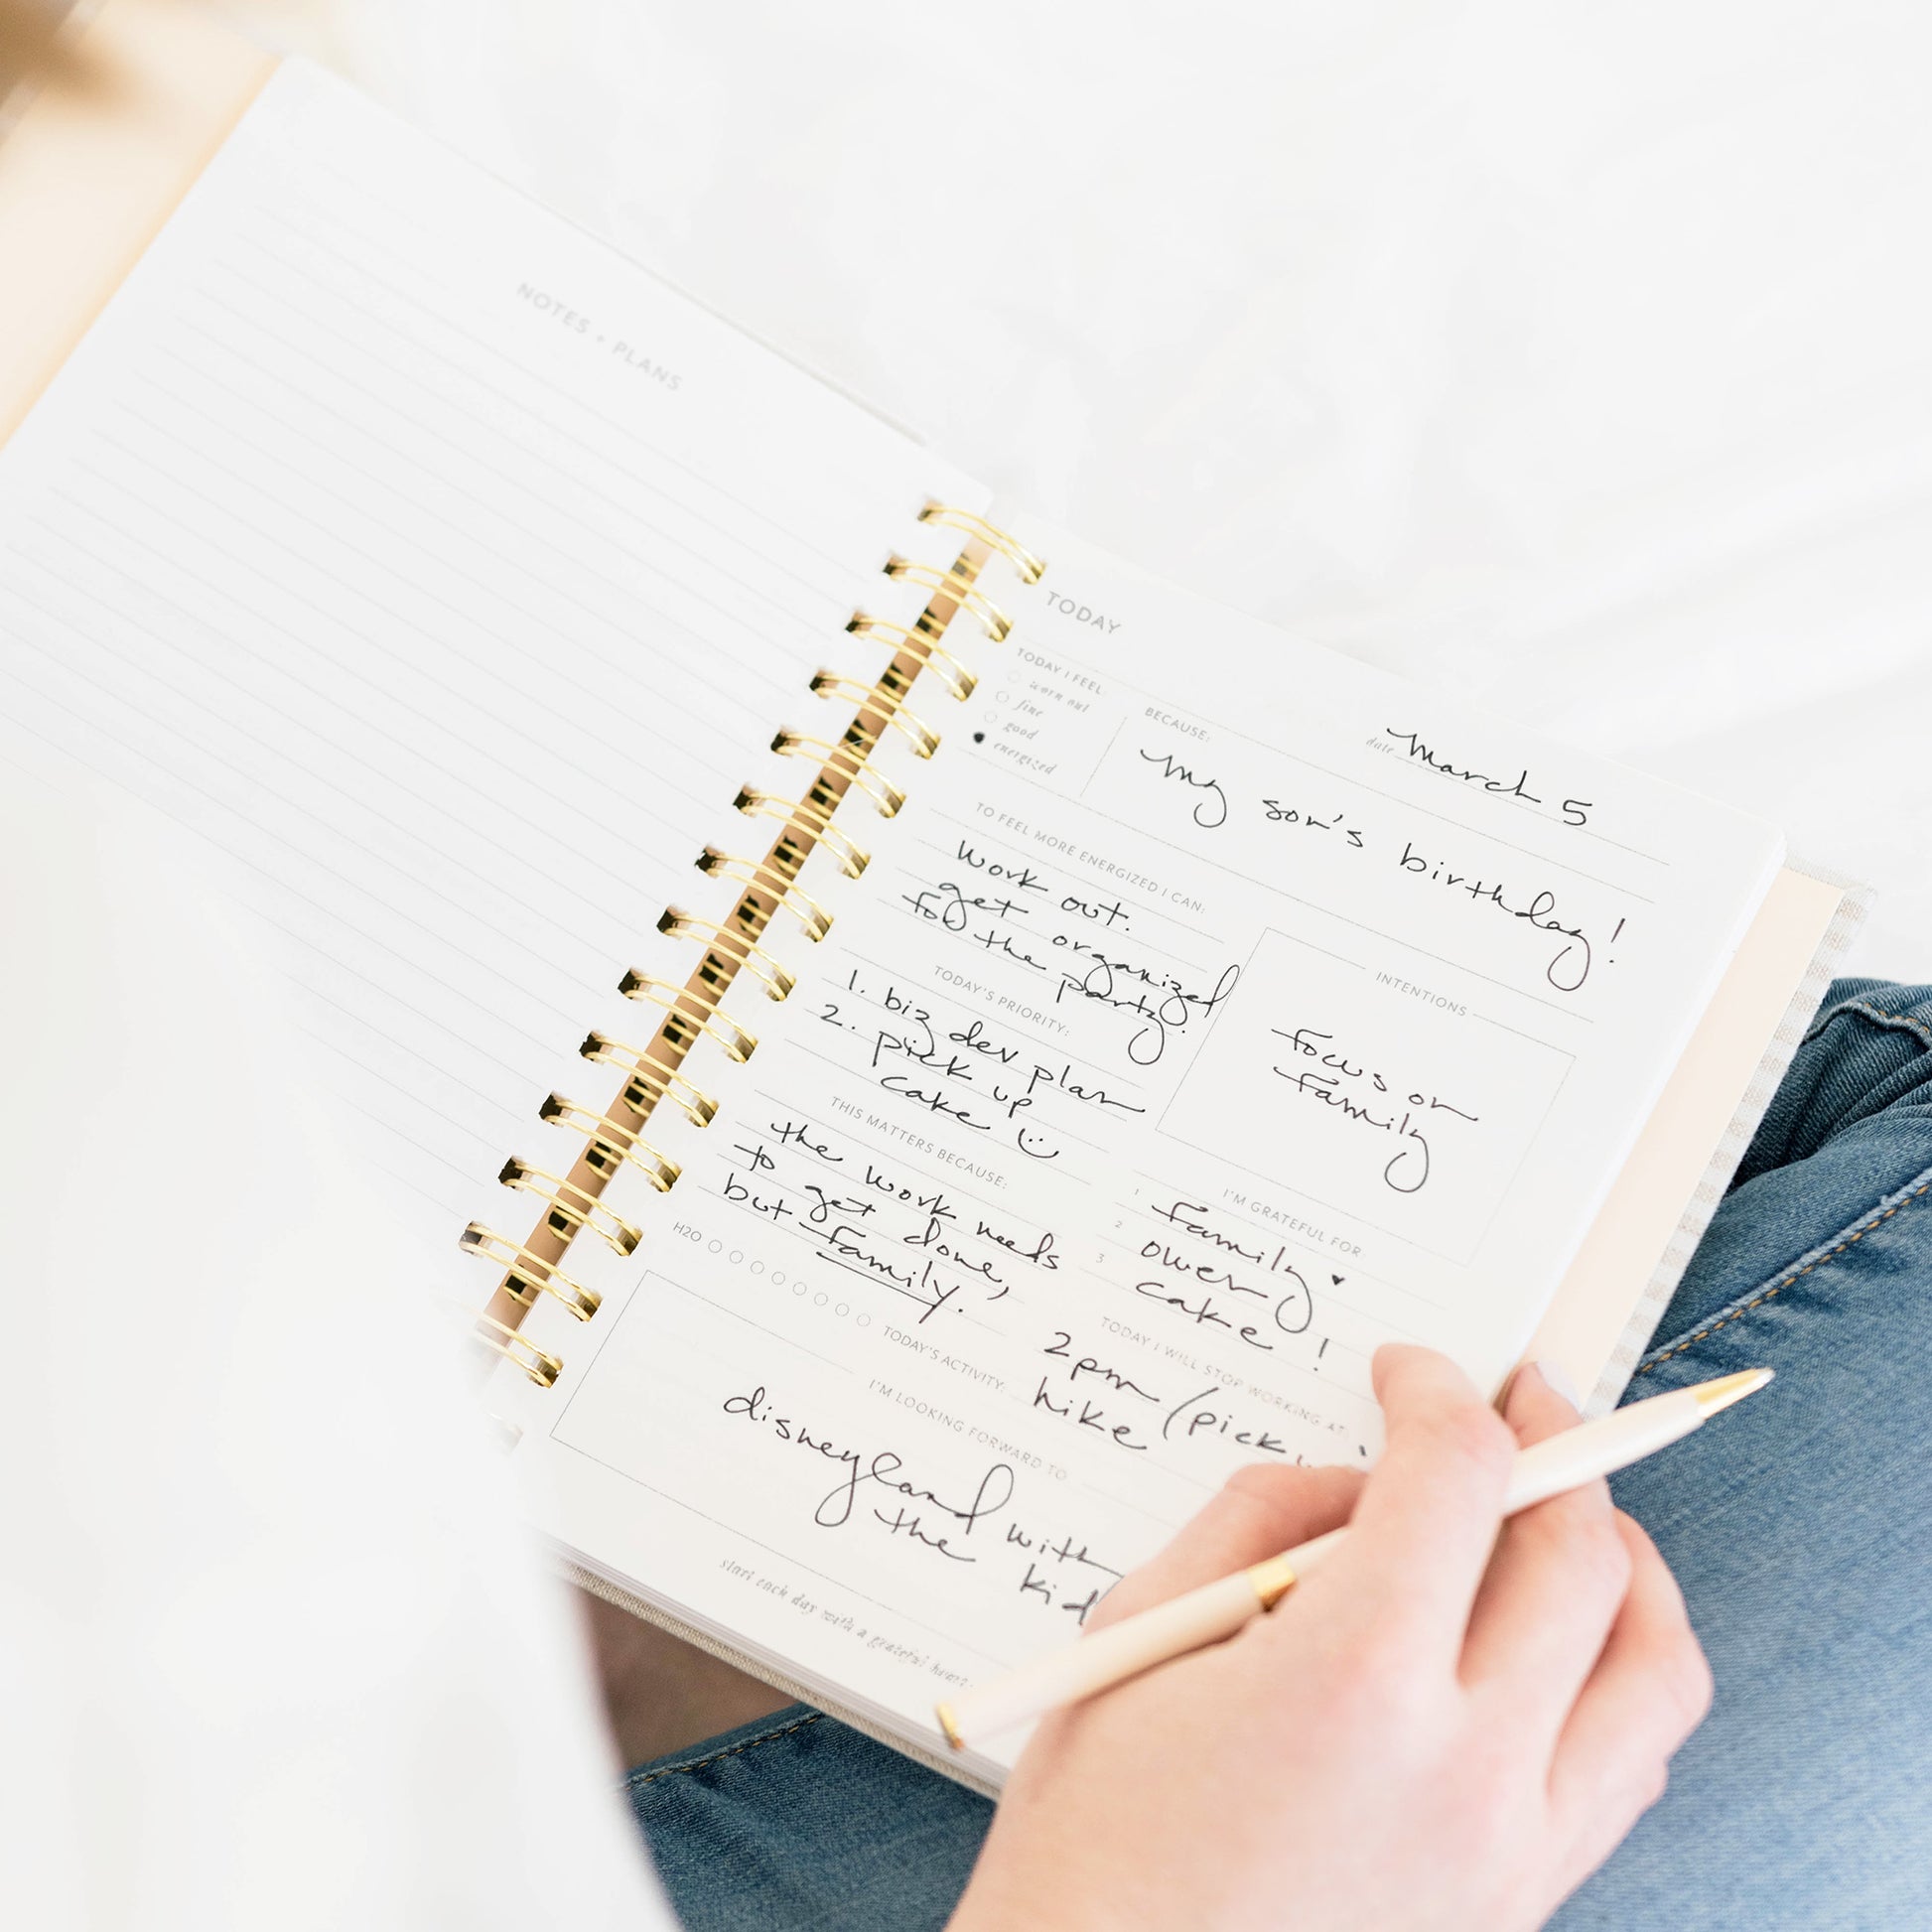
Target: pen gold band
1272, 1581
947, 1723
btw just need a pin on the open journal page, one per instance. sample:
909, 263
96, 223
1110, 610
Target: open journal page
1218, 1010
449, 574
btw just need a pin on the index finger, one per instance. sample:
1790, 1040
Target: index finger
1260, 1511
1422, 1534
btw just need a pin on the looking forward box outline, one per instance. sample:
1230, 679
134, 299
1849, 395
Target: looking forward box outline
1348, 1214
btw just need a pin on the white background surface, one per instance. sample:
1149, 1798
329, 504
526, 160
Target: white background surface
1574, 356
271, 1654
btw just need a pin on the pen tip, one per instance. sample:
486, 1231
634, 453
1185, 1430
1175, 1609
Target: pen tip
949, 1725
1727, 1389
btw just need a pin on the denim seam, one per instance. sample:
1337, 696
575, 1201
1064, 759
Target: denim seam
1740, 1309
1917, 1028
698, 1763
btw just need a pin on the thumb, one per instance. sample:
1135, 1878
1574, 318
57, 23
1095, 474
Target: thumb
1263, 1509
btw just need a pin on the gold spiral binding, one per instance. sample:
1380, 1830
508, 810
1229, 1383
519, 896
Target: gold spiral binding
697, 1107
571, 1206
572, 1200
529, 1273
952, 673
883, 794
993, 621
739, 1042
759, 874
611, 1145
542, 1369
676, 924
853, 857
919, 735
1030, 567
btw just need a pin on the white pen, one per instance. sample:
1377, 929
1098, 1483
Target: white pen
1218, 1610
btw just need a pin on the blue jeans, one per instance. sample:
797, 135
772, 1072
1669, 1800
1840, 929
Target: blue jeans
1801, 1531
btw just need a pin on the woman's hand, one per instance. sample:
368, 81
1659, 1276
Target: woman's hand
1440, 1728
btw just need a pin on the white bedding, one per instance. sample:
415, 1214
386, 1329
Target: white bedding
1576, 355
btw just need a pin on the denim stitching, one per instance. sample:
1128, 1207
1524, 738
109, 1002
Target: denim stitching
1759, 1300
698, 1764
1917, 1028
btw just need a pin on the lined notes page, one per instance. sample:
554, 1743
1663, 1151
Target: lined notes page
448, 575
1218, 1011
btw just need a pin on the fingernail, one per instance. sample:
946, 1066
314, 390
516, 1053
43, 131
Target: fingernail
1553, 1372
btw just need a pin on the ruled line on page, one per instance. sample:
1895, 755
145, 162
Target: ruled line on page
573, 722
118, 774
396, 1049
409, 828
338, 744
467, 1041
329, 295
605, 666
332, 826
527, 1077
411, 582
423, 1159
370, 243
515, 520
475, 749
490, 1142
433, 320
515, 514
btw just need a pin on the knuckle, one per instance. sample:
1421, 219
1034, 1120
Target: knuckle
1490, 1803
1372, 1690
1589, 1549
1689, 1685
1261, 1502
1279, 1504
1271, 1484
1636, 1537
1472, 1439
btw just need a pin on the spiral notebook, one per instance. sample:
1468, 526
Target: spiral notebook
937, 1044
